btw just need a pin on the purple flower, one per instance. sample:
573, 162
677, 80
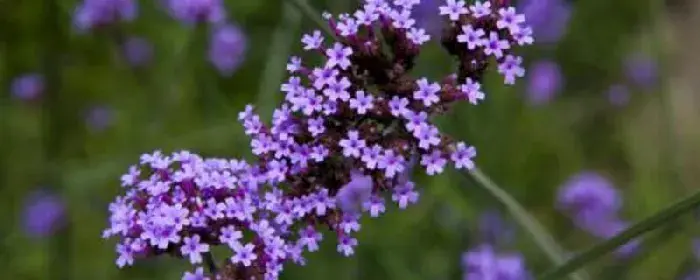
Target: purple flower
493, 228
193, 248
470, 36
484, 263
338, 56
353, 145
43, 214
618, 95
472, 91
549, 18
244, 254
28, 86
99, 118
91, 14
427, 92
405, 194
434, 162
194, 11
312, 41
495, 46
544, 83
354, 193
613, 228
362, 102
463, 155
590, 199
453, 9
227, 48
137, 51
641, 70
510, 68
197, 275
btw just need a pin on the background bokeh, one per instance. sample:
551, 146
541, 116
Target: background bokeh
611, 89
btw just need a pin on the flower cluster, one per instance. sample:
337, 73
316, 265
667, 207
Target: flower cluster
593, 204
484, 262
345, 139
91, 14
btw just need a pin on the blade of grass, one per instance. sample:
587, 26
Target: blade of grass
280, 48
662, 217
538, 233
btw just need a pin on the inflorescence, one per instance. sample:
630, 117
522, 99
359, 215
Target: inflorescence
343, 141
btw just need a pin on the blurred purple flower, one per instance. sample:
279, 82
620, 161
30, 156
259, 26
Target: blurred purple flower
493, 228
227, 48
194, 11
28, 86
484, 263
641, 70
137, 51
618, 95
43, 214
96, 13
427, 16
590, 199
545, 81
549, 18
99, 118
351, 196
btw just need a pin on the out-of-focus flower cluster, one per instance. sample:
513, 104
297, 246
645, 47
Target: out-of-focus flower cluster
343, 142
593, 204
484, 262
227, 41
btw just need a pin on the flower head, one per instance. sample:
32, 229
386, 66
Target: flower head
91, 14
43, 214
194, 11
227, 48
545, 81
27, 87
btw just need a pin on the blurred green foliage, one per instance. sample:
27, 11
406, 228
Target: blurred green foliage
527, 150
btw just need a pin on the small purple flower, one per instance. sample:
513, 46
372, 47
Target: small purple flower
137, 51
374, 205
510, 68
493, 45
92, 14
353, 145
481, 8
338, 56
346, 244
591, 200
472, 90
434, 162
312, 41
193, 248
397, 106
405, 194
641, 70
197, 275
28, 86
484, 263
362, 102
244, 254
392, 163
618, 95
427, 92
227, 48
353, 194
99, 118
472, 37
463, 156
43, 214
195, 11
545, 81
453, 9
549, 18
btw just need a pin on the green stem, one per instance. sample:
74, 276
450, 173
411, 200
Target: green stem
662, 217
538, 233
278, 53
309, 11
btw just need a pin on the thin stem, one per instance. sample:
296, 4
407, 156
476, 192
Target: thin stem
538, 233
279, 51
660, 218
210, 263
309, 11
